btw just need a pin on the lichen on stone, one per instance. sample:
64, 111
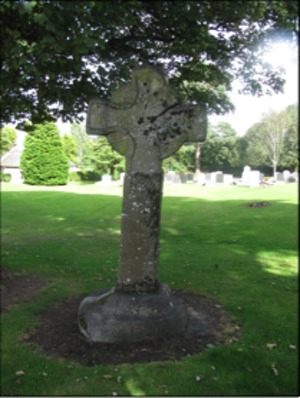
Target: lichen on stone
145, 285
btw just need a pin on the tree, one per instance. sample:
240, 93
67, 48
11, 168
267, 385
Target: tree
182, 160
57, 55
220, 150
8, 137
274, 128
70, 148
43, 161
290, 153
83, 141
197, 158
273, 141
252, 152
104, 160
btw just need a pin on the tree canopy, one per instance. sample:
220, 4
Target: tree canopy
56, 55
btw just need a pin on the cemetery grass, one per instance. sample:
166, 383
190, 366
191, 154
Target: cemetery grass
212, 243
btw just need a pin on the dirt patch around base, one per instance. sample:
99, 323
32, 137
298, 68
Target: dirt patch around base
17, 288
58, 335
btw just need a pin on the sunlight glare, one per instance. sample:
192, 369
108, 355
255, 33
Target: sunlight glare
283, 265
280, 55
133, 389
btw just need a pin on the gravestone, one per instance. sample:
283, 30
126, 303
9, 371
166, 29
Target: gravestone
121, 179
255, 178
216, 176
293, 177
190, 177
183, 178
208, 178
199, 178
213, 177
106, 179
280, 177
146, 121
177, 179
286, 175
219, 177
170, 177
252, 178
246, 175
228, 179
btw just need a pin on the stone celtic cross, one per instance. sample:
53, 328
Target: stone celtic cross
146, 121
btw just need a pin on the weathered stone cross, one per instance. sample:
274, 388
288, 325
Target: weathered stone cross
146, 122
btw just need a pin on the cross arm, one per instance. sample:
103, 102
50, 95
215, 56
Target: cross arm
184, 123
102, 120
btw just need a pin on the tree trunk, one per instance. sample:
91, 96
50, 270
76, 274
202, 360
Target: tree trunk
274, 170
197, 158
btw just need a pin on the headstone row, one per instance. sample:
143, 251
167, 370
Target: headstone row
251, 178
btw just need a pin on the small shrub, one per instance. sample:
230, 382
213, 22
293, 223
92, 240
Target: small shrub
74, 176
84, 176
89, 175
44, 161
5, 177
8, 138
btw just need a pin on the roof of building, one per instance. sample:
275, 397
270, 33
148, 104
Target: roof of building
12, 158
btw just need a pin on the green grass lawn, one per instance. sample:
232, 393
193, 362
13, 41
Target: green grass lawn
211, 242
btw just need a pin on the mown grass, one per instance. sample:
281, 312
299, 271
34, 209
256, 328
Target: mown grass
211, 243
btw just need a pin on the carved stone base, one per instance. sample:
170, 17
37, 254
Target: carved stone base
110, 317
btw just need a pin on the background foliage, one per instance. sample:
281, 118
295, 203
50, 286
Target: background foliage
8, 137
224, 150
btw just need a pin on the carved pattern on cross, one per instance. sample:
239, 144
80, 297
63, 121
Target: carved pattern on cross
146, 121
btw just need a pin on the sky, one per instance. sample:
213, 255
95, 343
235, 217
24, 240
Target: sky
250, 109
